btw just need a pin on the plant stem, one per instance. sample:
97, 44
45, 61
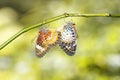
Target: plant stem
65, 15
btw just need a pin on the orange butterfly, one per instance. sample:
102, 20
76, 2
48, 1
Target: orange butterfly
45, 40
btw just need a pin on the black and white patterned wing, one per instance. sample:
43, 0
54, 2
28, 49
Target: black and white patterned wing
68, 38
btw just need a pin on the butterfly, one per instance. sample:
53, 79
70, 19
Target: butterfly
65, 37
68, 38
46, 39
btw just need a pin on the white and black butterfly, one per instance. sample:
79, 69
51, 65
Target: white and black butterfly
68, 38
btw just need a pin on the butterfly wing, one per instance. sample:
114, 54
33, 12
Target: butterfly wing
45, 40
68, 38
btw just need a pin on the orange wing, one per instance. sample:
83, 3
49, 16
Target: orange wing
45, 40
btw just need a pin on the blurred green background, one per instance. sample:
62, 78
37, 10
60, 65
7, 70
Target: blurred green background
98, 51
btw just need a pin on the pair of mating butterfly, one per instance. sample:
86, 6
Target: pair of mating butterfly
65, 36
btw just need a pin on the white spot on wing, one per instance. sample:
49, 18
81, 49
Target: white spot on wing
66, 36
40, 48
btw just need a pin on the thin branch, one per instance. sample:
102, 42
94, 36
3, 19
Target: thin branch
65, 15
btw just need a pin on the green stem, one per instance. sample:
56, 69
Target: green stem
65, 15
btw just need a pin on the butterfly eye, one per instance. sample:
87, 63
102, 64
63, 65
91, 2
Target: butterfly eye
68, 38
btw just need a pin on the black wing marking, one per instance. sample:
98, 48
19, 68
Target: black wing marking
68, 39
